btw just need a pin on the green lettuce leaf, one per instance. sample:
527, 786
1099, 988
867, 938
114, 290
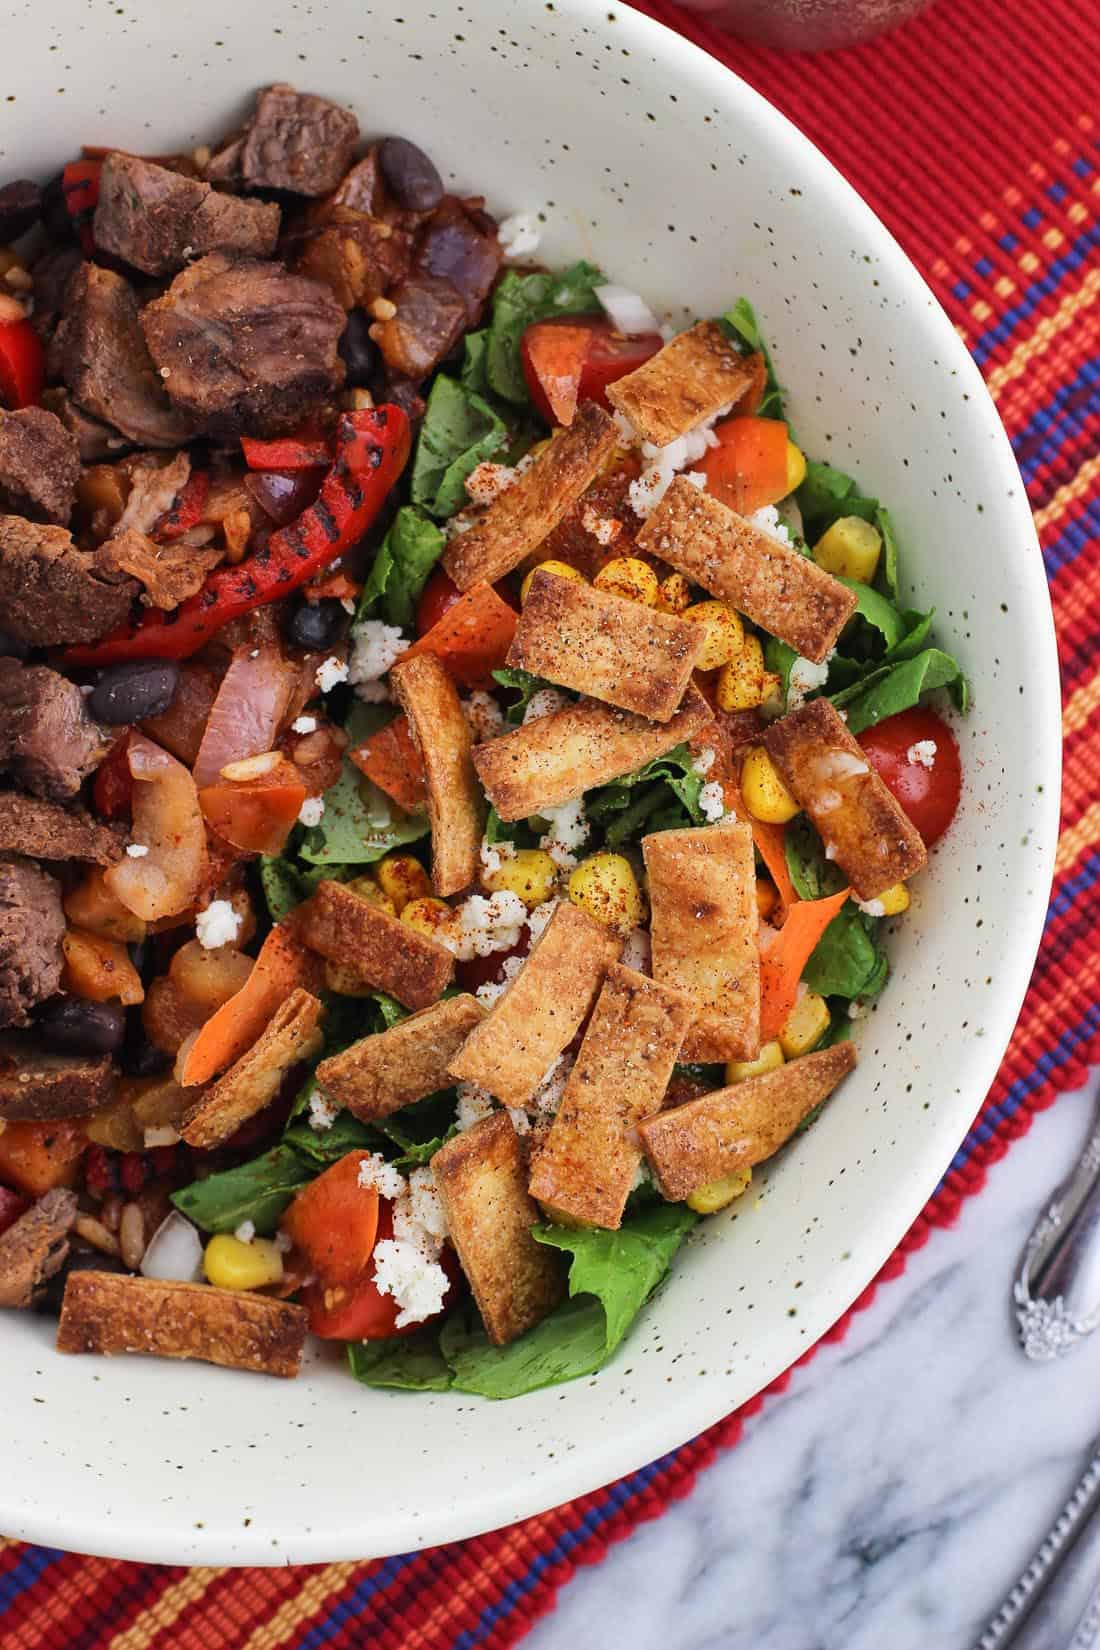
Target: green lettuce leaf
877, 611
286, 884
518, 301
887, 575
740, 325
848, 960
400, 570
522, 683
258, 1191
320, 1147
459, 432
474, 359
676, 772
896, 687
359, 824
812, 875
413, 1363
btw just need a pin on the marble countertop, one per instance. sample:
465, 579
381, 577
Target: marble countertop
891, 1497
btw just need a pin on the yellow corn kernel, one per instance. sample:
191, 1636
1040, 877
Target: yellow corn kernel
770, 1057
433, 917
850, 548
805, 1025
346, 982
630, 578
561, 568
766, 796
796, 466
401, 878
673, 594
767, 898
529, 873
743, 683
231, 1264
366, 888
709, 1199
605, 887
725, 633
894, 900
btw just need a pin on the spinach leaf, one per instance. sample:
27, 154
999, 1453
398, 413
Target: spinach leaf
412, 1362
419, 1130
877, 611
621, 1268
848, 960
281, 884
918, 631
474, 356
258, 1191
896, 687
778, 658
677, 771
522, 683
521, 299
400, 570
740, 325
813, 876
460, 431
320, 1147
887, 575
359, 824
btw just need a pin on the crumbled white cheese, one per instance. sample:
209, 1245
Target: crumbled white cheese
474, 1103
425, 1207
485, 925
304, 724
520, 1120
637, 951
837, 765
805, 677
544, 703
330, 672
712, 802
538, 919
493, 855
245, 1232
604, 529
378, 1175
547, 1096
768, 521
163, 1134
490, 991
642, 1176
856, 1009
311, 810
322, 1111
375, 646
484, 716
217, 924
627, 312
486, 481
520, 234
703, 762
830, 850
283, 1242
871, 907
661, 464
137, 850
416, 1283
922, 754
348, 604
569, 828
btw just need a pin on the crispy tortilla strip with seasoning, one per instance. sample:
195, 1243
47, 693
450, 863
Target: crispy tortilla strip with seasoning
865, 830
39, 1087
388, 954
521, 517
691, 379
733, 1128
441, 733
34, 1247
558, 757
586, 1165
105, 1312
250, 1085
540, 1013
481, 1176
786, 593
702, 893
611, 649
380, 1074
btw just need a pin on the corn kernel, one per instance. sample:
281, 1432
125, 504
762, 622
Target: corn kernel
796, 467
725, 633
529, 873
850, 548
673, 594
231, 1264
894, 900
769, 1059
401, 878
766, 796
709, 1199
346, 982
606, 888
805, 1025
767, 898
743, 683
367, 889
630, 578
561, 569
433, 917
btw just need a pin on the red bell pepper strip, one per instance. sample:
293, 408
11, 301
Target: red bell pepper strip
291, 453
21, 365
80, 188
371, 450
186, 508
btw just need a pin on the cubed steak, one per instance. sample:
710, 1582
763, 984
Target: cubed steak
39, 465
47, 739
243, 346
51, 593
157, 220
46, 830
35, 1248
297, 141
31, 925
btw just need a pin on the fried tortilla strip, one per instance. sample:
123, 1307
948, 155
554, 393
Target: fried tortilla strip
702, 892
777, 588
250, 1085
387, 953
34, 1247
540, 1013
865, 830
105, 1312
39, 1087
614, 650
693, 1145
585, 1168
380, 1074
442, 735
481, 1176
521, 517
558, 757
695, 376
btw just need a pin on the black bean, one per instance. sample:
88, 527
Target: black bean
410, 175
316, 626
20, 206
80, 1260
11, 647
130, 692
138, 1057
359, 353
55, 212
68, 1025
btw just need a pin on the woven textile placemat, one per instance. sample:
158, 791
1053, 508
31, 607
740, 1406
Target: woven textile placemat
968, 132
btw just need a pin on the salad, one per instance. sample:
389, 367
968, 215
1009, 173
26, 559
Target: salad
461, 762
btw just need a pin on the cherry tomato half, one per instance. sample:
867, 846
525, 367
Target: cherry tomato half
359, 1311
572, 359
438, 595
929, 795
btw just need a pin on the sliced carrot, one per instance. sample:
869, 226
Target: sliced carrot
473, 636
36, 1157
282, 966
391, 760
769, 844
748, 468
782, 963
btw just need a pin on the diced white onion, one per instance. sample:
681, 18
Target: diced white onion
175, 1251
627, 312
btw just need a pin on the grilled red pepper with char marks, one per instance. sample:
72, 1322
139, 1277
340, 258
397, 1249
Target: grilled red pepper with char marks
187, 510
371, 450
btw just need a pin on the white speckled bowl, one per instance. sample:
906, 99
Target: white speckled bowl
684, 184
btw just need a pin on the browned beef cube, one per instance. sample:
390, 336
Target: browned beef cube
297, 141
35, 1247
243, 346
156, 220
430, 319
95, 441
464, 252
31, 925
51, 593
51, 274
358, 257
47, 739
46, 830
39, 464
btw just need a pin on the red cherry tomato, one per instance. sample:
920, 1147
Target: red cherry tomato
358, 1311
438, 595
929, 796
476, 971
561, 367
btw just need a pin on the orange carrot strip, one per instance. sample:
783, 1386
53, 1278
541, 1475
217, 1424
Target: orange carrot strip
768, 841
782, 963
748, 467
281, 967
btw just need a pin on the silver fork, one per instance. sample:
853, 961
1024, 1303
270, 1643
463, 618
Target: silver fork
1056, 1289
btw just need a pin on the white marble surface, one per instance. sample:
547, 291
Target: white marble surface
891, 1497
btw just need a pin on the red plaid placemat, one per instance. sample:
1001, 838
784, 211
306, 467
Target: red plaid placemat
969, 134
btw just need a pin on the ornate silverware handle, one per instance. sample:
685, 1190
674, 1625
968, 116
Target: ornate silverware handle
1059, 1262
1036, 1580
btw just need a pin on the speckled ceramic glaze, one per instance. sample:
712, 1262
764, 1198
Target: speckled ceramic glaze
646, 155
